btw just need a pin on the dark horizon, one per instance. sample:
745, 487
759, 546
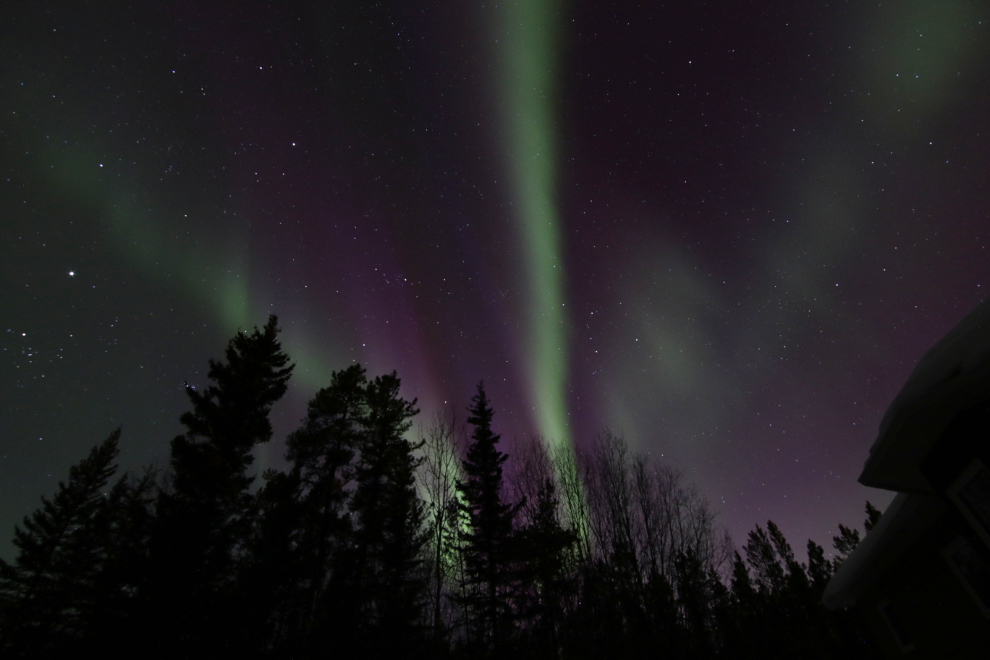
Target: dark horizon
443, 548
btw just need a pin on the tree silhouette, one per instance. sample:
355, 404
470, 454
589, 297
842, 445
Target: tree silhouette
546, 551
389, 515
819, 568
743, 636
872, 517
489, 531
125, 529
321, 453
613, 555
204, 521
845, 543
440, 469
62, 551
762, 556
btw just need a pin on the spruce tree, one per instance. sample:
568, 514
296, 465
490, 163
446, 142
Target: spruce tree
695, 597
125, 528
745, 635
872, 516
205, 518
62, 551
819, 568
844, 543
546, 550
488, 536
762, 556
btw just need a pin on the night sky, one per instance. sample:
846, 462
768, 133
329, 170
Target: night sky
725, 230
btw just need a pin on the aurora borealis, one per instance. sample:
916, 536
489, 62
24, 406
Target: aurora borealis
529, 50
727, 231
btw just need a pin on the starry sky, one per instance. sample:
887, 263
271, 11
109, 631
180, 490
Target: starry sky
725, 230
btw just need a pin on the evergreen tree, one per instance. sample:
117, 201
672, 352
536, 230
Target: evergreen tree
819, 568
789, 604
844, 543
489, 530
596, 627
205, 520
323, 448
872, 517
797, 596
546, 549
744, 638
62, 551
762, 556
662, 608
696, 600
227, 421
321, 453
389, 516
721, 611
270, 590
109, 618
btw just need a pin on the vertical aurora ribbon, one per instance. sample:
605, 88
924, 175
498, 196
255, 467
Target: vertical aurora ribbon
529, 50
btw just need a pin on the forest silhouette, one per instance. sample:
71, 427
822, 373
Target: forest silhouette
374, 545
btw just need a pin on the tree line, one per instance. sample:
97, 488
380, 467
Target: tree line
374, 544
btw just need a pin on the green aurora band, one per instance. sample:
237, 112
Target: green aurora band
218, 277
529, 55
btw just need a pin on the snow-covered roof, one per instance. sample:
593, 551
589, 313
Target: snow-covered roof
952, 376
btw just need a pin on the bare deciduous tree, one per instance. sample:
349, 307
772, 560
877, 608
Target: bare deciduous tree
439, 473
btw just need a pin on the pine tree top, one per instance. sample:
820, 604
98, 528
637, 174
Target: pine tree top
483, 457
